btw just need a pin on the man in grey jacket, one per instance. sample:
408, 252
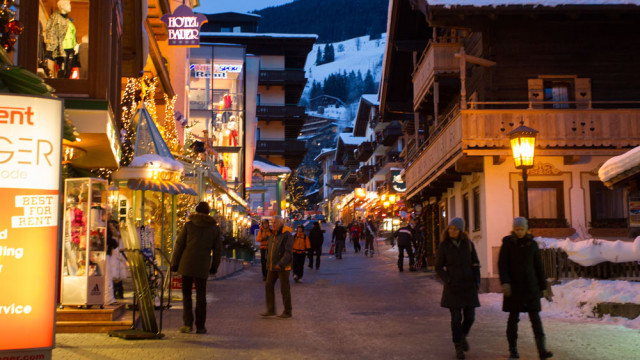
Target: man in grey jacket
192, 259
278, 267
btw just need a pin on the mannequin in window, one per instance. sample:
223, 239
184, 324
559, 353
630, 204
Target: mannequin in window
60, 38
232, 129
74, 234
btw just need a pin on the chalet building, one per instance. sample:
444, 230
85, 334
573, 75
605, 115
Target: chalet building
277, 121
478, 72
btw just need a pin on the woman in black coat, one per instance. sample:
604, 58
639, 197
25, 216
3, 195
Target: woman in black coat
523, 283
458, 266
316, 237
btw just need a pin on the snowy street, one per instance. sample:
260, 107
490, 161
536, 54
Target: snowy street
355, 308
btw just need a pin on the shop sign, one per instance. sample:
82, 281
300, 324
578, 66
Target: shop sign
397, 183
183, 27
30, 160
201, 71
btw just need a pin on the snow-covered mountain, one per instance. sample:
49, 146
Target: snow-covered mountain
357, 54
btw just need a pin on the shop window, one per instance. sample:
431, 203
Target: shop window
546, 203
608, 206
63, 48
476, 209
465, 211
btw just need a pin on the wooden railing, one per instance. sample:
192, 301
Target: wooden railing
436, 58
557, 266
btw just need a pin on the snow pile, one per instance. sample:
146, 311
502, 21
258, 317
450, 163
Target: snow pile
619, 164
357, 54
577, 299
156, 161
593, 251
349, 139
549, 3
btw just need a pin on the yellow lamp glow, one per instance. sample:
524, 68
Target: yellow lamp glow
360, 193
523, 143
392, 199
386, 204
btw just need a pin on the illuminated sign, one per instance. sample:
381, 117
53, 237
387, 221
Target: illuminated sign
203, 71
30, 157
397, 183
183, 27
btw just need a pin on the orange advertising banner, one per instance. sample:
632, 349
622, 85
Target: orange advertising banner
30, 153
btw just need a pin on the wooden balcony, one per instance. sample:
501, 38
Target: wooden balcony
390, 134
364, 173
337, 168
364, 150
348, 159
348, 177
277, 77
438, 58
563, 132
270, 112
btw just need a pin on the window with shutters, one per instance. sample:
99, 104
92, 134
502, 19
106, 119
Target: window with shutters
559, 92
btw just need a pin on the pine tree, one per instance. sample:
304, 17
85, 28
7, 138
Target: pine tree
370, 87
319, 58
329, 55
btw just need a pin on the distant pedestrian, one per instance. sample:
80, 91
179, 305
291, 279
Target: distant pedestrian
339, 237
458, 266
355, 236
523, 284
263, 238
279, 268
405, 241
369, 233
192, 259
316, 238
301, 246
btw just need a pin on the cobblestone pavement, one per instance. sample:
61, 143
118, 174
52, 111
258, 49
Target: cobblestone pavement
355, 308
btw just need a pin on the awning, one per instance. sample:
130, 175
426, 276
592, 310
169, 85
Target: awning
167, 187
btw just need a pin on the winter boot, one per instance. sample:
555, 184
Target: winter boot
459, 350
542, 349
513, 351
465, 344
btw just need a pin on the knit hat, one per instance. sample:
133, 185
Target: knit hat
520, 221
457, 222
203, 208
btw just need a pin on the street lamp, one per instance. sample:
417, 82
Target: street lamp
360, 193
523, 143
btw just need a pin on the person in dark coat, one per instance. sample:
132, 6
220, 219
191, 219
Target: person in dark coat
339, 236
458, 266
316, 237
192, 259
369, 233
523, 284
279, 258
406, 242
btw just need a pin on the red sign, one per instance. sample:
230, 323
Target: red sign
30, 157
183, 27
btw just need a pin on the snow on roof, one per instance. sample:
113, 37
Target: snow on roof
270, 168
156, 161
548, 3
619, 165
323, 152
260, 35
371, 98
593, 251
349, 139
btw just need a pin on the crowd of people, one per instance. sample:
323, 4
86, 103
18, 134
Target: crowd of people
285, 250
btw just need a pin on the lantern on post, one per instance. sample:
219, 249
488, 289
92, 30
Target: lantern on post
523, 143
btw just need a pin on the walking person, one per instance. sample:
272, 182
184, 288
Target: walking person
523, 284
263, 237
405, 240
355, 236
369, 234
301, 246
338, 237
458, 266
316, 238
116, 263
279, 268
192, 258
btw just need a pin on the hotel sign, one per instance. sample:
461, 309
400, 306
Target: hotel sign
183, 27
30, 161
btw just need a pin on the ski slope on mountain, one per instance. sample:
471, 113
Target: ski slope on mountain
357, 54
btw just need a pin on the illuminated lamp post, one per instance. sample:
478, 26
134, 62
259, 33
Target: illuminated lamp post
360, 193
523, 143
